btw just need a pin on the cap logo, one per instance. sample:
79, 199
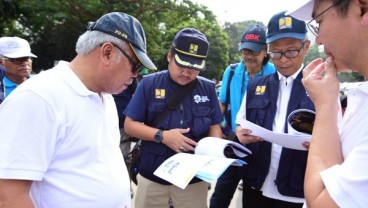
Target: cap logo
260, 90
285, 22
160, 93
193, 49
188, 64
125, 36
252, 37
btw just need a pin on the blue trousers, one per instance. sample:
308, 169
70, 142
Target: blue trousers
225, 187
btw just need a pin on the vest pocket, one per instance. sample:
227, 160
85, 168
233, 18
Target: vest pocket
201, 121
257, 109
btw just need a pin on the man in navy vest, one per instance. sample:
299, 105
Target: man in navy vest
197, 116
274, 175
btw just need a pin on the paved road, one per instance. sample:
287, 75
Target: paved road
235, 203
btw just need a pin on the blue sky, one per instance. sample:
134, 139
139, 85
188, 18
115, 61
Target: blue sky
241, 10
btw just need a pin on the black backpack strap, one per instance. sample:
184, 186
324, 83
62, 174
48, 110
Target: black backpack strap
175, 100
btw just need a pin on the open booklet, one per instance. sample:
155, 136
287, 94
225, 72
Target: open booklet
300, 125
212, 156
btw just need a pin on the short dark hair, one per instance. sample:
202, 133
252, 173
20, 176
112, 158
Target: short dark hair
341, 6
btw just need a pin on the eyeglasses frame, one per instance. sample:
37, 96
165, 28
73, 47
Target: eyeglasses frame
315, 29
284, 53
137, 66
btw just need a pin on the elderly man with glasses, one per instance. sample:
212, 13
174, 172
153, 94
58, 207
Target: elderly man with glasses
16, 58
59, 130
274, 175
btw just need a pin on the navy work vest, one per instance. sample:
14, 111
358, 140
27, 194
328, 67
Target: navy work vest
261, 110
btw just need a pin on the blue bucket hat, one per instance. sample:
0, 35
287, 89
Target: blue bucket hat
127, 28
285, 26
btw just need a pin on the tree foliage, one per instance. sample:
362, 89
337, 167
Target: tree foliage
53, 27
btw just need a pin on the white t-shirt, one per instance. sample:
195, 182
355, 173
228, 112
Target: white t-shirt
65, 138
347, 183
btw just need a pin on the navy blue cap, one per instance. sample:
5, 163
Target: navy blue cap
253, 39
191, 48
285, 26
127, 28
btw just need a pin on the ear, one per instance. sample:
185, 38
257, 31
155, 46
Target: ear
169, 56
307, 45
106, 53
364, 11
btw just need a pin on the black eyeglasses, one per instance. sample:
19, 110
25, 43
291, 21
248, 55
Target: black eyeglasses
313, 25
137, 66
247, 52
18, 61
287, 54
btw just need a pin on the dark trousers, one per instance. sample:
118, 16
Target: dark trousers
254, 199
225, 188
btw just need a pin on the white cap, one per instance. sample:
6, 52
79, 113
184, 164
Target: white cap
302, 12
14, 47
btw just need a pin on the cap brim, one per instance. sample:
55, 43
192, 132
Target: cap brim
189, 62
303, 12
143, 58
299, 36
19, 55
252, 46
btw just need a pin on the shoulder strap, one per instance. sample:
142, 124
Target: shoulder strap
233, 67
175, 100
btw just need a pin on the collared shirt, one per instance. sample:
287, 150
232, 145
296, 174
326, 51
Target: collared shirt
269, 189
347, 183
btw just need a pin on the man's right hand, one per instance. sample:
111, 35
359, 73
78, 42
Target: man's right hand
245, 137
176, 141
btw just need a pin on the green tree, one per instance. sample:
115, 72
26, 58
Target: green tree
53, 26
314, 52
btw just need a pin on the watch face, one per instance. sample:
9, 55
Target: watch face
158, 136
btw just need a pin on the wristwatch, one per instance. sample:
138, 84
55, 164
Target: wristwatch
158, 136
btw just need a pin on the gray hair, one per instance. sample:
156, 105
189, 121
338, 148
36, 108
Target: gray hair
90, 40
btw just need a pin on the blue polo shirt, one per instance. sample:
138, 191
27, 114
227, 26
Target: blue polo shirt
238, 86
198, 111
2, 93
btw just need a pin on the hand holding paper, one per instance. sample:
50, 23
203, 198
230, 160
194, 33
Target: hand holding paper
208, 162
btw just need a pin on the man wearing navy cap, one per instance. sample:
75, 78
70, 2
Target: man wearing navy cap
254, 63
197, 116
274, 176
64, 149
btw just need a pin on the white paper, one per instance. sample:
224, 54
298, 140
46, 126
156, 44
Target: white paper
283, 139
208, 163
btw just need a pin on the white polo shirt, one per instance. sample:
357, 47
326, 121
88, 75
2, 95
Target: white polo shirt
65, 138
347, 183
